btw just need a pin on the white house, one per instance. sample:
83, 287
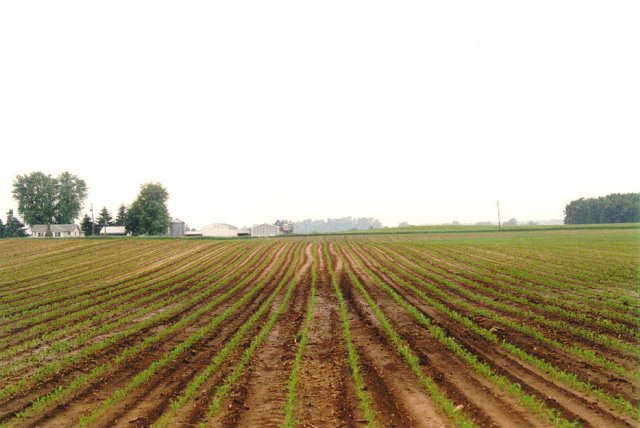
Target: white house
220, 230
57, 231
265, 229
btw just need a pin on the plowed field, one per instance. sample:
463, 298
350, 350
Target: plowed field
531, 328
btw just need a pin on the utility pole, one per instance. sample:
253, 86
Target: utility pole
93, 223
498, 214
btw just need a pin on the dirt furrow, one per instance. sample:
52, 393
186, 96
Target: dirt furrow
596, 375
571, 403
266, 380
322, 396
150, 400
17, 403
399, 399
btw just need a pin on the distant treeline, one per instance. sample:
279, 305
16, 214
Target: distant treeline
614, 208
336, 225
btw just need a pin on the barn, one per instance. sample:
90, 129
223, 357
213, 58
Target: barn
113, 231
220, 230
265, 229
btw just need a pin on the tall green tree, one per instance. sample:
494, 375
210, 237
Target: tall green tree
148, 214
1, 229
105, 217
71, 192
87, 225
13, 228
121, 217
44, 199
36, 196
613, 208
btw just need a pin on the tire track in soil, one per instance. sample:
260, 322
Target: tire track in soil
399, 399
266, 379
147, 403
189, 415
15, 404
572, 404
323, 398
598, 376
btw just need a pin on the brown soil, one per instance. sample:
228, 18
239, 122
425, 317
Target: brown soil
326, 393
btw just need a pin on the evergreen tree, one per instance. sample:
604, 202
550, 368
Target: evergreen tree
121, 217
87, 225
13, 228
1, 229
105, 217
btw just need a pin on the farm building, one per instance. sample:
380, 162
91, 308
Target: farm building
57, 230
287, 228
177, 228
113, 231
265, 229
220, 230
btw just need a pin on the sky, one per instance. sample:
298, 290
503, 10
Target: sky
252, 111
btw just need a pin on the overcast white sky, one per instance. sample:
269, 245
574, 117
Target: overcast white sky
251, 111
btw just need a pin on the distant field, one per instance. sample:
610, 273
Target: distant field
432, 327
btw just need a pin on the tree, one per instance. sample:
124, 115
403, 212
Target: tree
148, 214
1, 229
87, 225
13, 228
72, 191
36, 196
44, 199
121, 217
613, 208
105, 217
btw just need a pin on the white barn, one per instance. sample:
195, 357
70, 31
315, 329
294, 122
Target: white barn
57, 230
265, 229
113, 231
220, 230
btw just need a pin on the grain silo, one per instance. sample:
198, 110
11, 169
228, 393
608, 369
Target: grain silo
177, 228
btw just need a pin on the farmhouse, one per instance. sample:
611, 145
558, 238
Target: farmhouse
220, 230
265, 229
57, 230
